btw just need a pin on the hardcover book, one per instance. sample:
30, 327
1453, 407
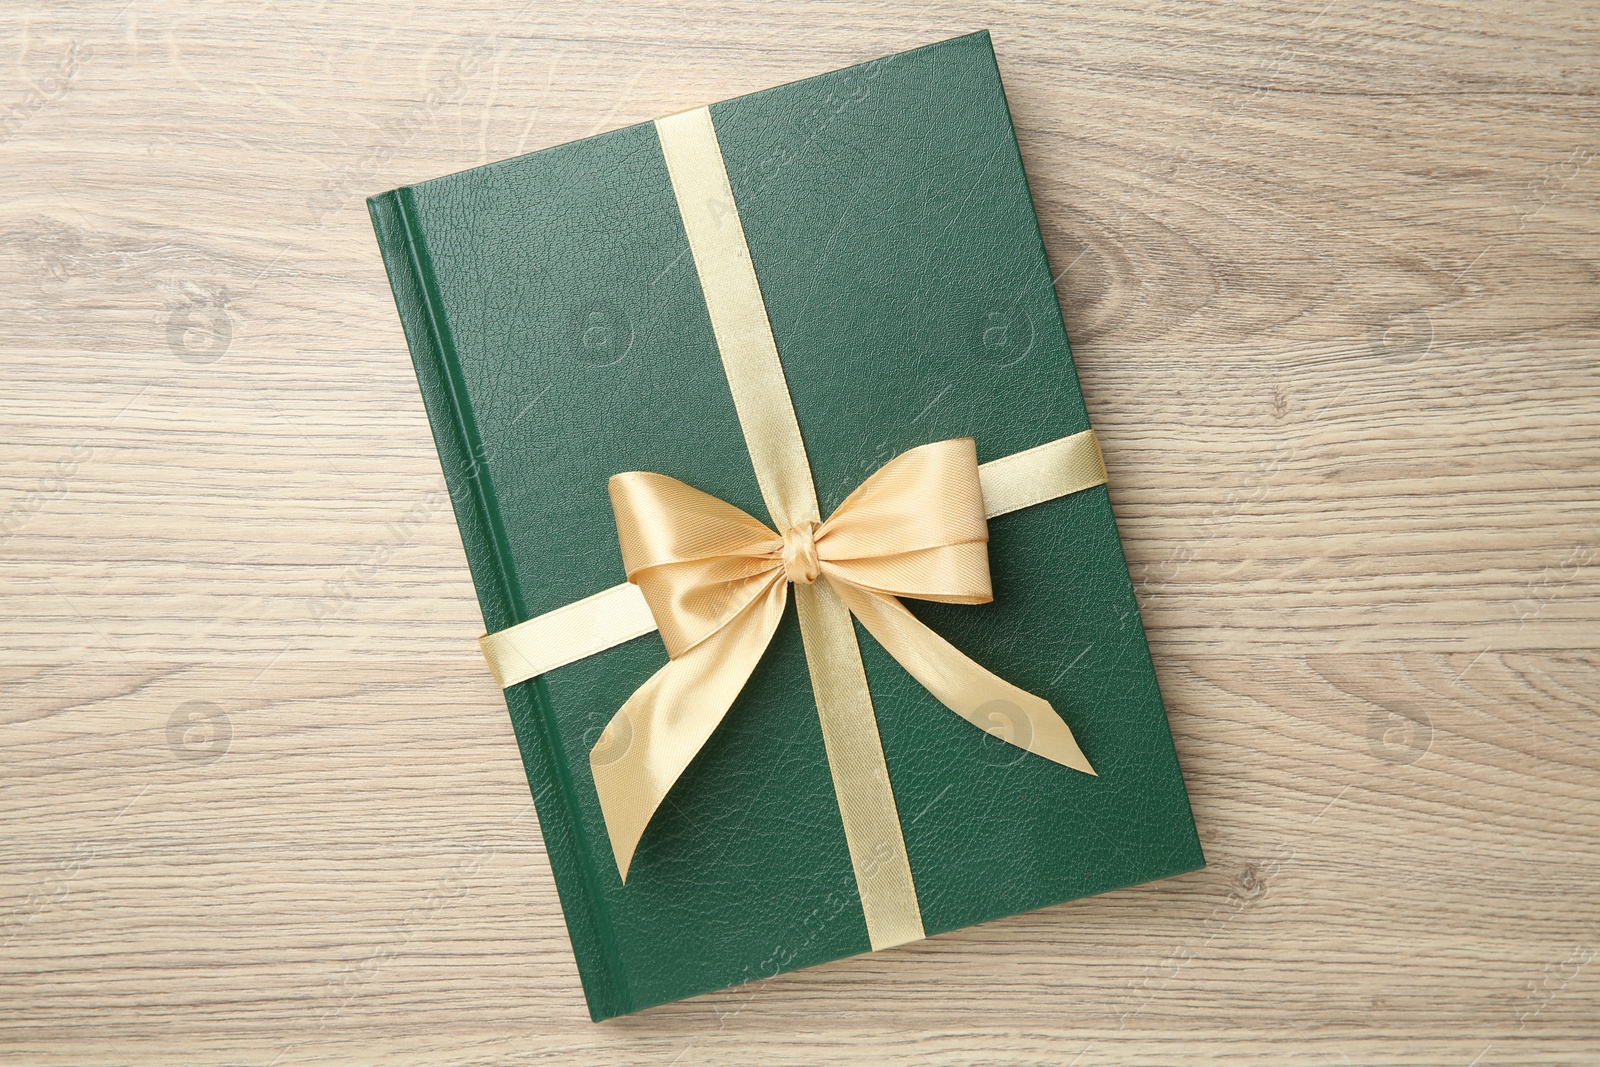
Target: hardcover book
562, 333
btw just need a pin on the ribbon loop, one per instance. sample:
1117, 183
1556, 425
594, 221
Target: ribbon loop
699, 561
926, 497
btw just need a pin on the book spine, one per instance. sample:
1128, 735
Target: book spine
461, 454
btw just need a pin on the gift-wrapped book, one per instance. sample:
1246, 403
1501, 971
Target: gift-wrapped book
788, 526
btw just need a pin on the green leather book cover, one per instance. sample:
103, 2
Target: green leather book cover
560, 336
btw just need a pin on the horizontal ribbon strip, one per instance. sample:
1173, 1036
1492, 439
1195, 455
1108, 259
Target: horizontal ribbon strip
619, 614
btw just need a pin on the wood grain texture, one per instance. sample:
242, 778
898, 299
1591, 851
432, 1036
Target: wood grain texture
1331, 276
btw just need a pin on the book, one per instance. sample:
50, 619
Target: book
560, 335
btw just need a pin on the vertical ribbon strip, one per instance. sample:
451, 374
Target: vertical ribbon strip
772, 434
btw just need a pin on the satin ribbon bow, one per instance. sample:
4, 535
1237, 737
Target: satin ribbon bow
716, 581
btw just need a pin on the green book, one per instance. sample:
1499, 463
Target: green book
560, 336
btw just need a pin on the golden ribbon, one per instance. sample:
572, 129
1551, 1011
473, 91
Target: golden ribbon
715, 580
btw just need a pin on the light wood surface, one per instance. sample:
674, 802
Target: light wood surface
1330, 273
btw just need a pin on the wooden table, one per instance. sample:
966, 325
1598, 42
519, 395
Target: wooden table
1331, 276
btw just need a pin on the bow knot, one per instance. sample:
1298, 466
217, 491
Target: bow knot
716, 580
800, 564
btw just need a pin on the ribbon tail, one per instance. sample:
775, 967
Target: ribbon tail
655, 735
987, 701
